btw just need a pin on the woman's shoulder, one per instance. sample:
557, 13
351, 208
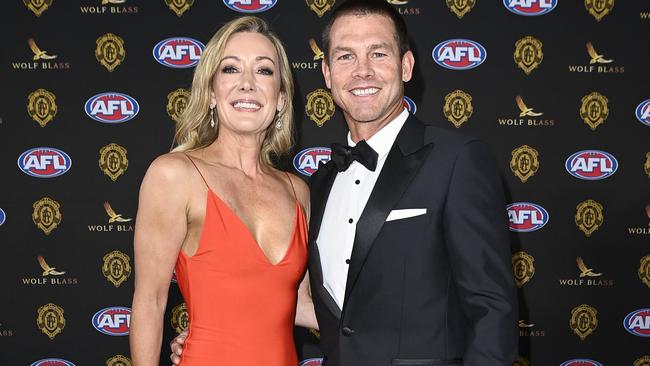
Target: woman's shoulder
169, 169
301, 188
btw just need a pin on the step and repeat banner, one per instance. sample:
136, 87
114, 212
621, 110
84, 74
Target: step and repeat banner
558, 88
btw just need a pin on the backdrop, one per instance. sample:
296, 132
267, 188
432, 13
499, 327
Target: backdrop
559, 89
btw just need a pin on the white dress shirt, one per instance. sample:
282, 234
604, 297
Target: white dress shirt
347, 199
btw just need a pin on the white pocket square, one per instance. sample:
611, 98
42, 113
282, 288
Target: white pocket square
405, 213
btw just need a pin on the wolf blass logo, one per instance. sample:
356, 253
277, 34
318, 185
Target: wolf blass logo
52, 276
526, 330
115, 222
641, 230
598, 63
108, 6
401, 7
41, 60
527, 117
5, 332
310, 64
586, 277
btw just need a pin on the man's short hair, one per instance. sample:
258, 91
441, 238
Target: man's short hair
369, 7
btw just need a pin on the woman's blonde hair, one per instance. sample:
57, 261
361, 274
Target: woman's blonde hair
194, 131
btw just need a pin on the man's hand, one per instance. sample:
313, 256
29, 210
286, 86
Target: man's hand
177, 347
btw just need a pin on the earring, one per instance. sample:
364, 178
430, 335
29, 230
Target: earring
212, 117
278, 124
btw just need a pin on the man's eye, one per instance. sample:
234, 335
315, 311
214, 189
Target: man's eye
378, 55
265, 71
229, 70
346, 56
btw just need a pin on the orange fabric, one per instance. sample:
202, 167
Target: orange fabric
241, 307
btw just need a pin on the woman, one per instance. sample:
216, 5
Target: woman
217, 211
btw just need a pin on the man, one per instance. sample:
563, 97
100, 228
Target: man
409, 248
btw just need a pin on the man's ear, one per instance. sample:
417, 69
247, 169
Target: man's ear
408, 63
325, 68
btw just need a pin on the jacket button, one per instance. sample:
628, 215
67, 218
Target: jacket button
347, 331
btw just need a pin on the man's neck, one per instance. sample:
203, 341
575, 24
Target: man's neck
365, 130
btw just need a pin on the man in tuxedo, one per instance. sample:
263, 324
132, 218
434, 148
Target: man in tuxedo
409, 248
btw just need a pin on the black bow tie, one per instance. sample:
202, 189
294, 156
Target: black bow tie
343, 156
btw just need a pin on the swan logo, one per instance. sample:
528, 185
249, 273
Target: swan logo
643, 112
591, 164
44, 162
530, 8
307, 161
111, 108
638, 322
250, 6
178, 52
526, 217
409, 104
52, 362
113, 321
459, 54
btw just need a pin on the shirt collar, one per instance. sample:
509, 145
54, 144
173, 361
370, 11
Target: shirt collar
383, 139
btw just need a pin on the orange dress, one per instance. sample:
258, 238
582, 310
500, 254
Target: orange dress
241, 307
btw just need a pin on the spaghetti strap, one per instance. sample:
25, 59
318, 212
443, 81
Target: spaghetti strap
293, 189
198, 170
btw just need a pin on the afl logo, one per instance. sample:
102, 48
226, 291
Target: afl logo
52, 362
526, 217
113, 321
178, 52
530, 8
591, 164
250, 6
111, 108
638, 322
459, 54
409, 104
3, 217
44, 162
643, 112
311, 362
581, 362
307, 161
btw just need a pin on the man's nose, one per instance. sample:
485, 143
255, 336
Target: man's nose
363, 68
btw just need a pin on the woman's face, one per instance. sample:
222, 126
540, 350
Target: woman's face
246, 85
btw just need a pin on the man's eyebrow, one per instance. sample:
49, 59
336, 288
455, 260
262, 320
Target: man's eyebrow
370, 47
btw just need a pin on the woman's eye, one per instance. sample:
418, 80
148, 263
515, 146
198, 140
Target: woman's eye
265, 71
229, 69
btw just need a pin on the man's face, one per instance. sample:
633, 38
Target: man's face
364, 69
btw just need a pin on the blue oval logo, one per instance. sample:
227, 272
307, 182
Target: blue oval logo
591, 165
409, 104
250, 6
643, 112
112, 108
52, 362
3, 217
311, 362
44, 162
459, 54
581, 362
308, 160
178, 52
113, 321
638, 322
530, 8
525, 217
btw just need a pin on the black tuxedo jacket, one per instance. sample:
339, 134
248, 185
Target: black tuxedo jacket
434, 289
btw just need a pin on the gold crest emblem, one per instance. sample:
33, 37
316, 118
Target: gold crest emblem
643, 361
110, 51
117, 267
179, 6
644, 270
520, 361
177, 101
180, 318
599, 8
320, 7
47, 214
41, 106
594, 110
589, 216
583, 320
318, 54
320, 106
50, 320
594, 57
646, 166
460, 7
525, 162
528, 54
38, 53
113, 161
315, 333
47, 270
118, 360
523, 267
458, 107
38, 6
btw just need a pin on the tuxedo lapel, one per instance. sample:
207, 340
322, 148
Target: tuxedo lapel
402, 163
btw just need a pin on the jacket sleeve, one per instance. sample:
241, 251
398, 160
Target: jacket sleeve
477, 239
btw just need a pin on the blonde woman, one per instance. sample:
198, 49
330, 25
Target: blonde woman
216, 209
